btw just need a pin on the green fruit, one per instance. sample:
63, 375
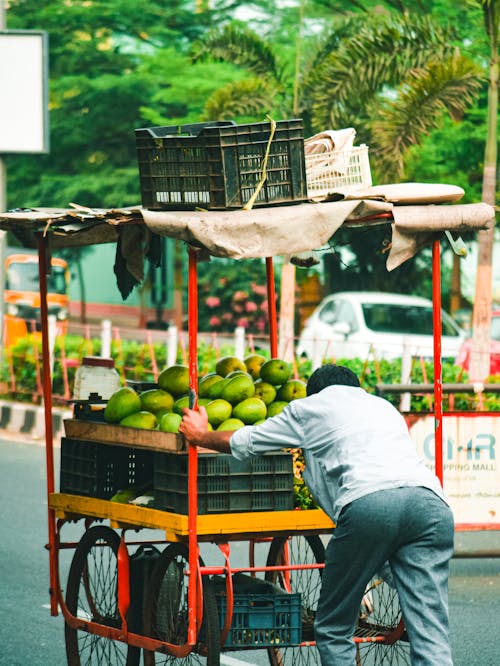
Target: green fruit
216, 389
276, 408
175, 380
292, 390
161, 413
206, 382
275, 372
227, 364
142, 419
156, 400
236, 373
180, 404
231, 424
253, 364
203, 402
218, 411
250, 410
259, 421
123, 496
121, 403
265, 391
238, 388
170, 422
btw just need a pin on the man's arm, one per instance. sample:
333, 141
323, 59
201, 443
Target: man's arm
194, 426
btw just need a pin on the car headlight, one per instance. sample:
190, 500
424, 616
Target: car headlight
12, 309
62, 314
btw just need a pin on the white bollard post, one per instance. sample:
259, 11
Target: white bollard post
239, 342
172, 342
52, 331
105, 338
405, 401
317, 357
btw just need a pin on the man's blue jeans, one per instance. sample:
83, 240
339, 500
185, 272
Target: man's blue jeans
412, 529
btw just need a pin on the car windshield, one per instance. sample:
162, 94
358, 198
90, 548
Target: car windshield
394, 318
24, 277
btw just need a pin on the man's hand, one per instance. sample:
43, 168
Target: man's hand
194, 425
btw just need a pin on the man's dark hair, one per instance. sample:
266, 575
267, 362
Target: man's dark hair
329, 375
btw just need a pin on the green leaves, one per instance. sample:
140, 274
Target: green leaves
442, 85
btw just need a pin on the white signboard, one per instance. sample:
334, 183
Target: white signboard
23, 92
471, 470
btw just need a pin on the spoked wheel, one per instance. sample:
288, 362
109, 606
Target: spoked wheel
380, 614
298, 550
166, 612
92, 594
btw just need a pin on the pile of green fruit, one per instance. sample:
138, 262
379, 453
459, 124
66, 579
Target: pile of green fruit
237, 393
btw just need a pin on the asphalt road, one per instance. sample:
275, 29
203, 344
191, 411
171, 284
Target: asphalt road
30, 636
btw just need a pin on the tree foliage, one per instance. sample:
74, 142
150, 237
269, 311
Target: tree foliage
406, 75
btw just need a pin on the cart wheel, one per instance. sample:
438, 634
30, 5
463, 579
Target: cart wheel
166, 612
92, 594
381, 613
301, 550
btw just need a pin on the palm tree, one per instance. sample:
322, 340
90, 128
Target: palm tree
390, 76
480, 353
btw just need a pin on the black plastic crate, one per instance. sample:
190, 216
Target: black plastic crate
96, 469
219, 165
225, 485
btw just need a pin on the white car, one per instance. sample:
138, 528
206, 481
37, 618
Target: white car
374, 324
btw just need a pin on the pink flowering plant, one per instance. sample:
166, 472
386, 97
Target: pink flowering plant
233, 294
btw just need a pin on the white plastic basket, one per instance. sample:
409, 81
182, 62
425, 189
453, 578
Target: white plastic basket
338, 171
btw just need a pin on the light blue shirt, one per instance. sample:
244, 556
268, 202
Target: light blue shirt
353, 443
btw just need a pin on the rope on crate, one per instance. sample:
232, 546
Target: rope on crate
249, 204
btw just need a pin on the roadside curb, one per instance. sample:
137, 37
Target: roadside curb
22, 418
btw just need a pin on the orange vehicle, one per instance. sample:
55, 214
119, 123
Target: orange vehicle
22, 297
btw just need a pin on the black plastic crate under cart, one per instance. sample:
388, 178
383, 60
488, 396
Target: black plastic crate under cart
225, 485
95, 469
263, 620
219, 165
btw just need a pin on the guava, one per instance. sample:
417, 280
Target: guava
275, 372
218, 411
250, 410
142, 419
291, 390
175, 380
156, 400
121, 403
170, 422
238, 388
253, 364
227, 364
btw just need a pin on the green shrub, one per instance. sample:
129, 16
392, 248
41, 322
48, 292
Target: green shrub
133, 361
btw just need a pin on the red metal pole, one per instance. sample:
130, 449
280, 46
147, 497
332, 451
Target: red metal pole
43, 268
438, 380
192, 450
271, 308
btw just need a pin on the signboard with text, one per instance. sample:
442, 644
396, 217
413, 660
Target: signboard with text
24, 92
470, 466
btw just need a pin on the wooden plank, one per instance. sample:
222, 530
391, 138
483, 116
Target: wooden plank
108, 433
213, 527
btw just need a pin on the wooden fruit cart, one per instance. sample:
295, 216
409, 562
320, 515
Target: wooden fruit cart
182, 610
